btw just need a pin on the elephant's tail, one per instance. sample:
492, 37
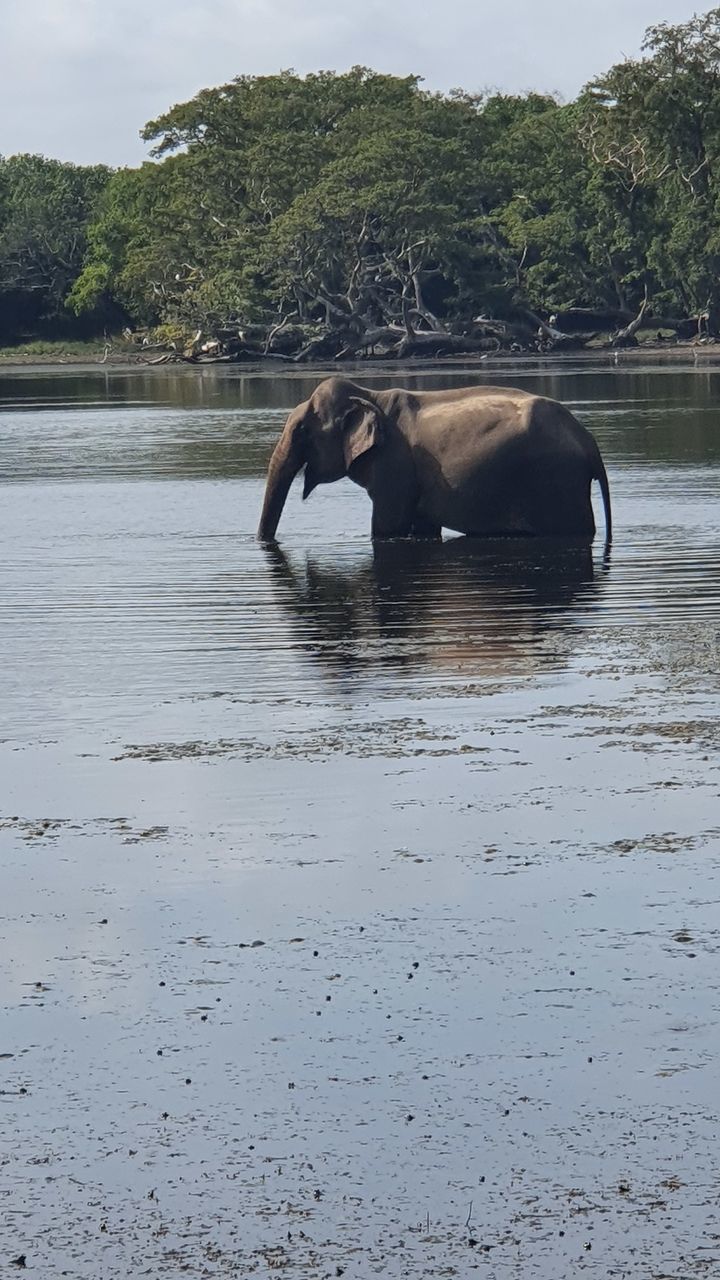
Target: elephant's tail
600, 474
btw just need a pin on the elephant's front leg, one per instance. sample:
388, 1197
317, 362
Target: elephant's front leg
383, 528
393, 510
402, 525
423, 527
395, 499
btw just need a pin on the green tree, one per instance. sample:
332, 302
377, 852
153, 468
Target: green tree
45, 208
653, 127
330, 196
361, 206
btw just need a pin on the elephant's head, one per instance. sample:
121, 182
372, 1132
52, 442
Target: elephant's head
327, 434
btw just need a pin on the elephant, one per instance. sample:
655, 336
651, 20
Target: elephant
483, 461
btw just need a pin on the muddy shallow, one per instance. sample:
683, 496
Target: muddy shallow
359, 911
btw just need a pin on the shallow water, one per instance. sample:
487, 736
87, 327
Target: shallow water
466, 796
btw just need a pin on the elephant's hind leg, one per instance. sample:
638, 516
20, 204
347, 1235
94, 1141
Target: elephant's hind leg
558, 503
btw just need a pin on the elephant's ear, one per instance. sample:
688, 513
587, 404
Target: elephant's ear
361, 429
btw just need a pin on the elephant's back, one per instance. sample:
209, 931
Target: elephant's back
420, 400
508, 462
456, 424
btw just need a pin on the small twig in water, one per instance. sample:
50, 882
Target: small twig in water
467, 1220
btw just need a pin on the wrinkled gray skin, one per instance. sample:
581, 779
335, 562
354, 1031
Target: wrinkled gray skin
480, 460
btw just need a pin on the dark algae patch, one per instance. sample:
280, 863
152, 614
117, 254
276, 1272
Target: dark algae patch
359, 912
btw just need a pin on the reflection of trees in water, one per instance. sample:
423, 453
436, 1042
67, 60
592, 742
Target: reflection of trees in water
465, 608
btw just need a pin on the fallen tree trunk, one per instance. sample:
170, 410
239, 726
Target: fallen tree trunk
167, 358
441, 344
324, 344
383, 336
626, 337
554, 339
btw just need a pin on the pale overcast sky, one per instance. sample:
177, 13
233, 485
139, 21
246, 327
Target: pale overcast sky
79, 78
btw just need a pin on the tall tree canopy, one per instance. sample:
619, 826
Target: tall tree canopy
45, 208
652, 127
362, 208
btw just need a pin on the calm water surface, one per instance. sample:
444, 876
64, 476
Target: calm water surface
464, 795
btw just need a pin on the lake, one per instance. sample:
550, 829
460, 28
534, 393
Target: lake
359, 909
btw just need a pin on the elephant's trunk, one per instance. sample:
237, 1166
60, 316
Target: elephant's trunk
287, 459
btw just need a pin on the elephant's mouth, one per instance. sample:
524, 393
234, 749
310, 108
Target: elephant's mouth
313, 478
311, 482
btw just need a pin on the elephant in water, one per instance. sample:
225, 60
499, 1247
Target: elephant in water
482, 460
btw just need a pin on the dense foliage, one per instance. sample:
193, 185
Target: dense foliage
45, 209
358, 209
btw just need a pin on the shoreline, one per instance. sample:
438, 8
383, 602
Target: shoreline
692, 353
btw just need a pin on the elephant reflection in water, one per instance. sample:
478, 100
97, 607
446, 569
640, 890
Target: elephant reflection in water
462, 608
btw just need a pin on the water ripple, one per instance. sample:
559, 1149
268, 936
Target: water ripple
117, 593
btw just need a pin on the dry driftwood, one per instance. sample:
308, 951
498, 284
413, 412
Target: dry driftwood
440, 344
626, 337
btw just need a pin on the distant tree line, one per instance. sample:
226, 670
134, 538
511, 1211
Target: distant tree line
346, 214
46, 209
